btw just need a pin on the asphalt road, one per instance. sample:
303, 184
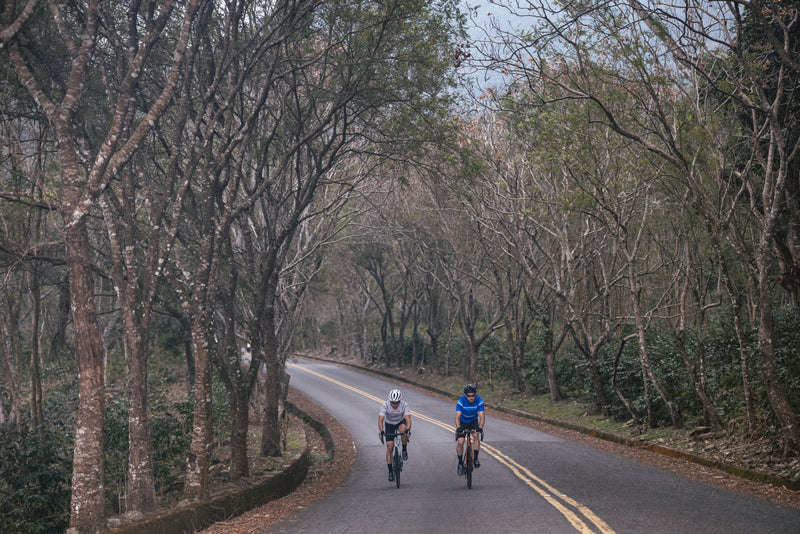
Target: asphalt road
529, 481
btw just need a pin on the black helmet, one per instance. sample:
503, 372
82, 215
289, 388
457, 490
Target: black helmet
470, 388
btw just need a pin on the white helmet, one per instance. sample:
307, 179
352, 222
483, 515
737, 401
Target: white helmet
395, 395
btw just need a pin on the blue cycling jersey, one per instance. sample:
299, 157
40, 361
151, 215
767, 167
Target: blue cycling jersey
469, 411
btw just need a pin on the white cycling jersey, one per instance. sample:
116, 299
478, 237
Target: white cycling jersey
393, 415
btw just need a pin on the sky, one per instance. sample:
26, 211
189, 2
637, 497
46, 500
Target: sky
483, 17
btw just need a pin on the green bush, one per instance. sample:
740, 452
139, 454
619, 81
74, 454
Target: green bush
35, 473
171, 436
115, 428
787, 351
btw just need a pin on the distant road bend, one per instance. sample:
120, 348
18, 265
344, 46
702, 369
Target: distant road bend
529, 481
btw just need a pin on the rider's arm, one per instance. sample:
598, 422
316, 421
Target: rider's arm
408, 421
481, 419
380, 423
458, 418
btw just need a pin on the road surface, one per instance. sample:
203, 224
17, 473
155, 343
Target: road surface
529, 481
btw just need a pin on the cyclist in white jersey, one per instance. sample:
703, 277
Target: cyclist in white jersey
394, 417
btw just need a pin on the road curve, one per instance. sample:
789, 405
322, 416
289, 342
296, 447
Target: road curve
529, 481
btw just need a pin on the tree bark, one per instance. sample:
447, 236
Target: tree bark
787, 418
140, 487
648, 374
12, 362
88, 485
35, 378
271, 431
199, 462
590, 353
240, 423
550, 349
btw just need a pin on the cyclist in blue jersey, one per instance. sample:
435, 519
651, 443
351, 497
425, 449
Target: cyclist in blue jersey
469, 414
394, 417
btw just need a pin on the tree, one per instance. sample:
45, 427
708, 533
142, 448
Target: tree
692, 57
62, 95
469, 274
317, 84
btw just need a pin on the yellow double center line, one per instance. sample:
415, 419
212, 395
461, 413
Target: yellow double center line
571, 509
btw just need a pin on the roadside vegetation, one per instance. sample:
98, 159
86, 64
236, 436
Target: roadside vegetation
732, 444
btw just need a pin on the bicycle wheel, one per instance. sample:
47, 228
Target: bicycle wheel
397, 466
468, 466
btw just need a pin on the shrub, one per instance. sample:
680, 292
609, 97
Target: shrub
171, 436
35, 473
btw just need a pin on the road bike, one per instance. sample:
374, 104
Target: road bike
397, 453
469, 455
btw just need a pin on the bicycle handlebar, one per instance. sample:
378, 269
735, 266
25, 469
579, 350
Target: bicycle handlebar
465, 431
392, 436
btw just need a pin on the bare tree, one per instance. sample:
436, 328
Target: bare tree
469, 276
696, 54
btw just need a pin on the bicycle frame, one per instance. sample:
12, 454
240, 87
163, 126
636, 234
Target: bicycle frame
397, 454
469, 456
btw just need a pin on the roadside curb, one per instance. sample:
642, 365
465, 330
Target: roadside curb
201, 514
748, 474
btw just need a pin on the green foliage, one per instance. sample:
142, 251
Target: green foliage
787, 352
535, 376
115, 428
35, 473
494, 363
724, 366
36, 465
171, 434
171, 439
672, 373
220, 411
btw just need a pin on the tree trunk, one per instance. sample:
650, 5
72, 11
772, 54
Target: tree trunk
188, 353
15, 358
597, 383
550, 361
87, 505
7, 373
37, 416
649, 374
240, 423
11, 369
473, 355
787, 419
271, 431
415, 344
710, 415
516, 349
140, 490
736, 311
434, 358
589, 352
620, 395
199, 461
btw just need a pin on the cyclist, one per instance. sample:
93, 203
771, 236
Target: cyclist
469, 415
394, 417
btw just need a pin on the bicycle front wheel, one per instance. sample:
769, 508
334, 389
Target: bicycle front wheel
397, 466
468, 461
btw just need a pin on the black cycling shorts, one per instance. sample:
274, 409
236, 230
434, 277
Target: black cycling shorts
464, 426
390, 430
